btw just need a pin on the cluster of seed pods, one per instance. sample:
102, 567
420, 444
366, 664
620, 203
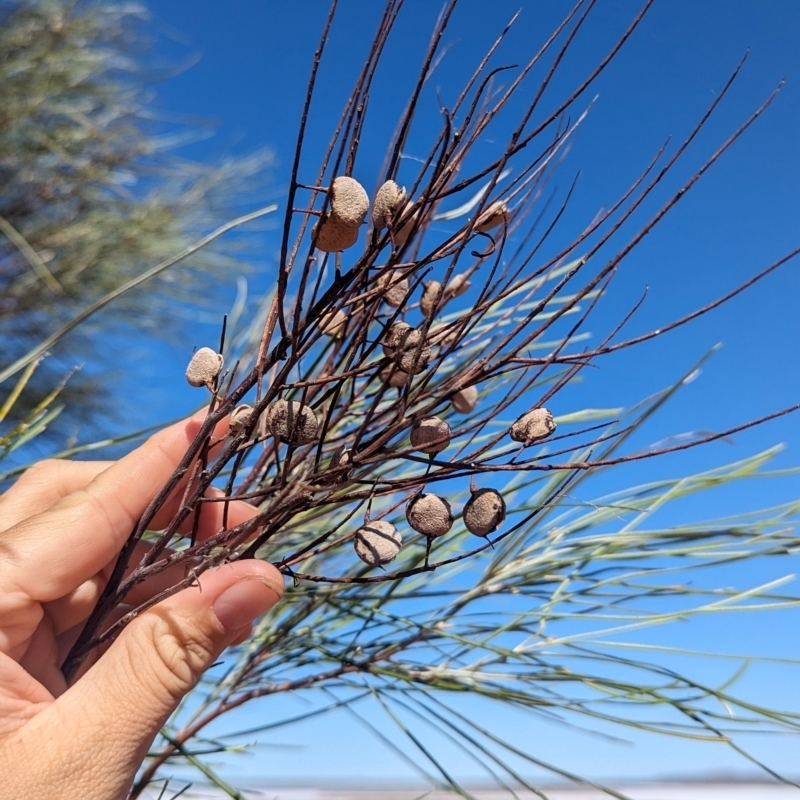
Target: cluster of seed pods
378, 542
337, 228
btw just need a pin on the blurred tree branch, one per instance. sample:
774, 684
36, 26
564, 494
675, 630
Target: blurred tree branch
92, 191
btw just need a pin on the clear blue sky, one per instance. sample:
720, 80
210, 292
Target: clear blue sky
250, 79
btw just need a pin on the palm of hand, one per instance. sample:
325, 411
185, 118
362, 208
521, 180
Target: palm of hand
61, 529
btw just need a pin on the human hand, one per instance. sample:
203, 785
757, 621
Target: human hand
62, 526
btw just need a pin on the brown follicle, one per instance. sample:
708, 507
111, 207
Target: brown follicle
240, 418
430, 297
203, 367
333, 324
394, 376
411, 216
414, 361
465, 401
390, 200
492, 216
484, 512
292, 422
534, 426
457, 286
410, 353
395, 289
331, 235
430, 435
349, 201
429, 515
377, 543
393, 336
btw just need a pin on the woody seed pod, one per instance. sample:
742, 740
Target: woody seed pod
404, 339
389, 201
377, 543
349, 201
484, 512
396, 290
333, 324
203, 367
404, 231
292, 422
465, 400
496, 214
408, 354
457, 286
331, 235
393, 337
430, 297
394, 376
240, 417
429, 515
413, 361
430, 435
535, 425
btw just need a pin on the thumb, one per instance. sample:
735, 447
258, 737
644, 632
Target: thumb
126, 697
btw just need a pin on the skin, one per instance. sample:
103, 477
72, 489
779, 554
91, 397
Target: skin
61, 527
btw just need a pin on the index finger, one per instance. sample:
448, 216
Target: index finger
49, 554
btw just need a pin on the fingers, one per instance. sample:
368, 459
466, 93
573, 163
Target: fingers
211, 515
43, 484
118, 707
41, 661
84, 531
51, 479
73, 609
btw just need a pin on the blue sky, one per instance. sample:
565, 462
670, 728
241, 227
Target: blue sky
250, 80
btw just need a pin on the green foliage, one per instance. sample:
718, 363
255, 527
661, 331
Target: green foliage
91, 190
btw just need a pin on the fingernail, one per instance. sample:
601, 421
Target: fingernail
241, 603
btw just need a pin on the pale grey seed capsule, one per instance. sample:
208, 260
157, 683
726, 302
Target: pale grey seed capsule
402, 233
331, 235
292, 422
349, 200
396, 289
404, 339
203, 367
457, 286
333, 324
484, 512
240, 418
537, 424
429, 515
491, 217
430, 297
393, 337
414, 361
465, 400
409, 355
430, 435
390, 199
394, 376
377, 543
399, 337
